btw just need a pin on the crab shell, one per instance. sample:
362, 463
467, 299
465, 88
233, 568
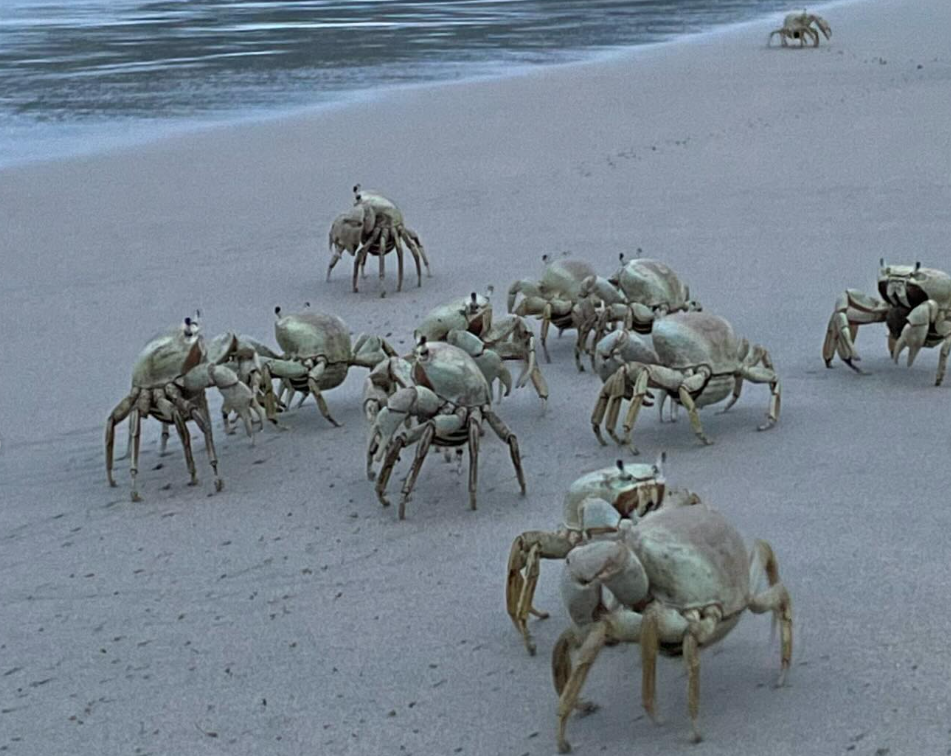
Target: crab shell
456, 315
167, 357
451, 374
909, 286
381, 206
630, 490
564, 276
309, 335
693, 558
652, 283
689, 339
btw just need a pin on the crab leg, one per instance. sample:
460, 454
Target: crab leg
185, 437
140, 412
197, 410
399, 263
506, 435
574, 680
943, 358
411, 238
775, 599
762, 375
852, 309
360, 261
475, 431
384, 233
609, 402
524, 568
120, 413
687, 401
649, 641
692, 663
393, 449
313, 383
168, 409
422, 449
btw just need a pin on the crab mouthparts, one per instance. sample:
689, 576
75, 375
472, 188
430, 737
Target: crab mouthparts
641, 500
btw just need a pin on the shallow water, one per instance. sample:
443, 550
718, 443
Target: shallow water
78, 74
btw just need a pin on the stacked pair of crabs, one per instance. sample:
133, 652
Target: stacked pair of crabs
644, 333
645, 565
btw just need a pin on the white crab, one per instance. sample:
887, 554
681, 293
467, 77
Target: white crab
444, 402
677, 581
169, 379
375, 226
632, 490
803, 27
318, 354
243, 354
468, 323
916, 308
556, 300
641, 291
700, 361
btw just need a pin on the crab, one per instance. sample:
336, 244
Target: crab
468, 323
169, 379
675, 583
622, 346
243, 355
802, 26
443, 404
375, 226
318, 354
699, 361
556, 300
640, 292
632, 490
917, 310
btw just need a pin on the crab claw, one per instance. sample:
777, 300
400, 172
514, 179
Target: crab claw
914, 333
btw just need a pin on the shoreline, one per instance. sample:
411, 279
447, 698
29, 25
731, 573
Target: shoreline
148, 133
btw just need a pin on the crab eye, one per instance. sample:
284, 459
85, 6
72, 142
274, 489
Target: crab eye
277, 310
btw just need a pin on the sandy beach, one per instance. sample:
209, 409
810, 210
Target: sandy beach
290, 613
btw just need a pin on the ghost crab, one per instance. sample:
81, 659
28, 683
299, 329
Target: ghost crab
631, 490
243, 354
803, 27
169, 379
641, 291
317, 356
556, 299
443, 403
374, 226
699, 361
917, 310
468, 324
676, 582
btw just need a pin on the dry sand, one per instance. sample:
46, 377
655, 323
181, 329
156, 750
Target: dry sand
291, 614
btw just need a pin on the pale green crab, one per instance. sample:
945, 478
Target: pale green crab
632, 490
169, 379
441, 399
556, 299
317, 355
641, 291
916, 309
374, 226
468, 323
676, 581
802, 27
699, 362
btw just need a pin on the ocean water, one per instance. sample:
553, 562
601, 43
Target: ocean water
81, 75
